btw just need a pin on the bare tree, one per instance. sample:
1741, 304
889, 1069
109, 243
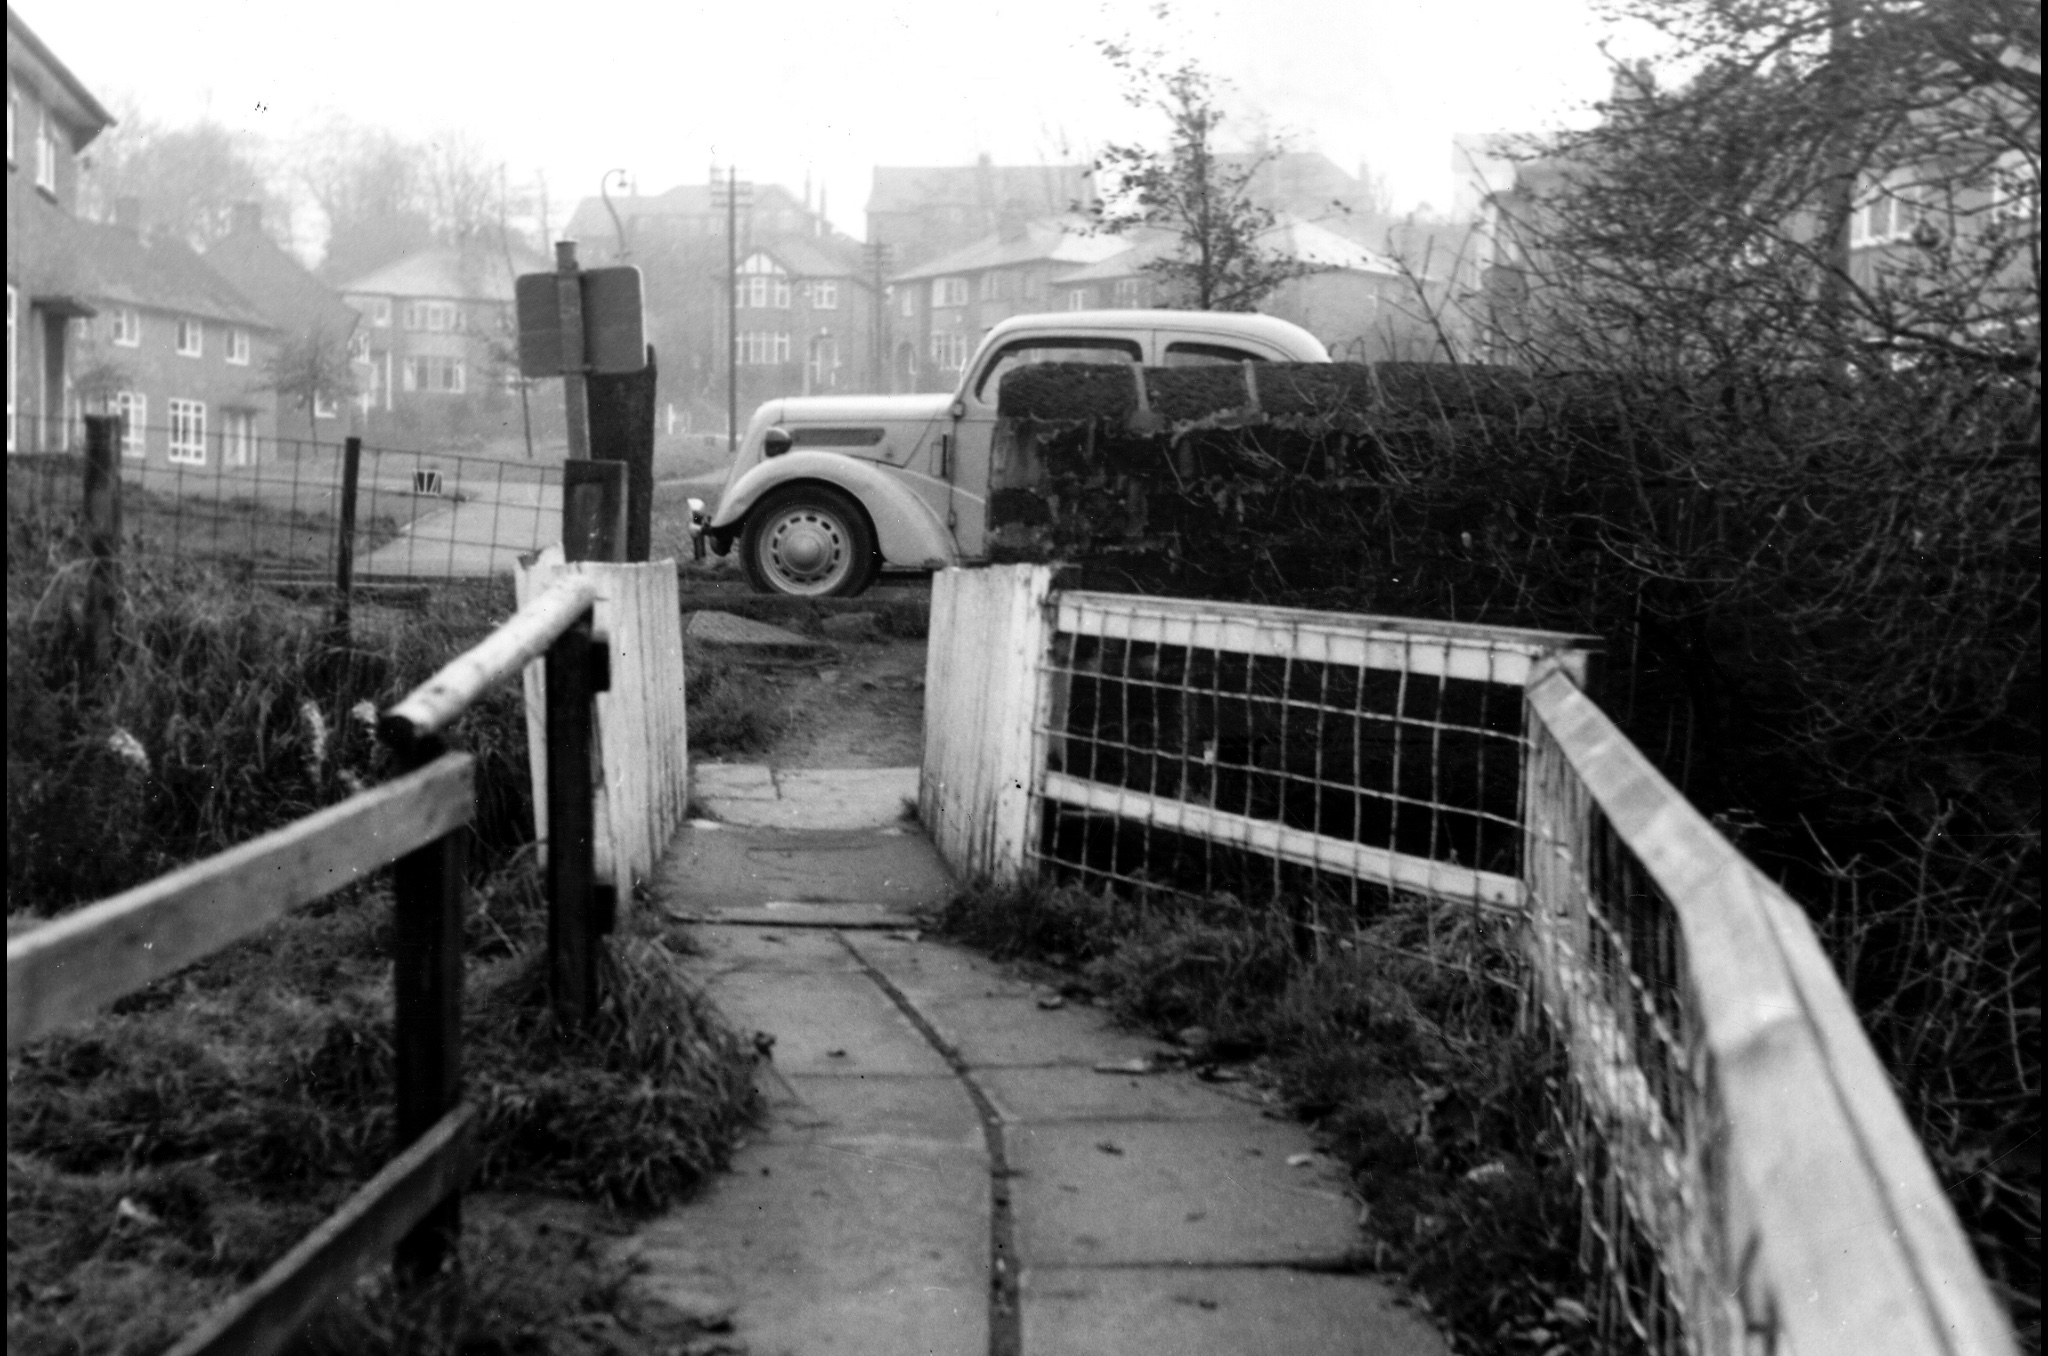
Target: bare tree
1223, 258
188, 180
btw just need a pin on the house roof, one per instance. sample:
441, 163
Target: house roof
114, 264
278, 286
477, 274
31, 61
592, 220
1042, 189
814, 256
1039, 242
1291, 238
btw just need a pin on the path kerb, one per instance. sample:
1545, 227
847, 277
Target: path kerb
931, 1115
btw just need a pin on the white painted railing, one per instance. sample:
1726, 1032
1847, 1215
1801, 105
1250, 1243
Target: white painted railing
1730, 1120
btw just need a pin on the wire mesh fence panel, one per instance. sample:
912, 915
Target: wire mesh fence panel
1747, 1177
270, 508
1609, 969
1208, 747
438, 515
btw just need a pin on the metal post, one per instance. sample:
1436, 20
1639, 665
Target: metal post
427, 1029
572, 865
103, 536
345, 542
575, 401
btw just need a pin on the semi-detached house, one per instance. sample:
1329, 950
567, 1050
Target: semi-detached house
103, 317
437, 333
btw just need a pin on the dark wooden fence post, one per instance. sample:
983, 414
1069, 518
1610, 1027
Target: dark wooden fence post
345, 541
427, 1044
572, 865
103, 536
594, 510
622, 429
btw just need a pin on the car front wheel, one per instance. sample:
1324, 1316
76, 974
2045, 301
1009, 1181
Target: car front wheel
811, 541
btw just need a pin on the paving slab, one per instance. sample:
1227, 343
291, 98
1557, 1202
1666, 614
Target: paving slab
1192, 1191
1268, 1311
799, 951
735, 632
713, 867
1068, 1093
925, 973
1007, 1031
1146, 1213
829, 1022
850, 1249
749, 795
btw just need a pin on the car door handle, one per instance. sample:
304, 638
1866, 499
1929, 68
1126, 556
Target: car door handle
945, 456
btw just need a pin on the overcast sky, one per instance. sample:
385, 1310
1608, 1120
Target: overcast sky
665, 87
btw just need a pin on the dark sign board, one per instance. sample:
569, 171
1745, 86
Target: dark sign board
614, 322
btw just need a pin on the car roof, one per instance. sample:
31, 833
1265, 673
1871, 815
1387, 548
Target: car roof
1289, 338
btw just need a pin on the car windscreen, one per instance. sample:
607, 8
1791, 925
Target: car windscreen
1053, 349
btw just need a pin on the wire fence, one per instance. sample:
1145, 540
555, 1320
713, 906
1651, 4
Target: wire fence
1263, 751
1748, 1179
277, 507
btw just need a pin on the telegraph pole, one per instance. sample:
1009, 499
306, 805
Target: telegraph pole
731, 192
879, 256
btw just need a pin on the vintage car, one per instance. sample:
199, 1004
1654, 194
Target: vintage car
828, 491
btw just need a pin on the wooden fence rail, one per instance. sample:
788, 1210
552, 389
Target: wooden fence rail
73, 966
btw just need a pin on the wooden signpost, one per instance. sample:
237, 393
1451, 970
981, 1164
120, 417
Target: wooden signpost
588, 327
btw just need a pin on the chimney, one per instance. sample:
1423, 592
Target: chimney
1012, 221
248, 216
128, 215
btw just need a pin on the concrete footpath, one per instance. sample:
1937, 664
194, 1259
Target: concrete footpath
954, 1161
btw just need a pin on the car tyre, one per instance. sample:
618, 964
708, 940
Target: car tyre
809, 541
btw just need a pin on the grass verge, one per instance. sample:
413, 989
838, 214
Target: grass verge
1403, 1046
163, 1154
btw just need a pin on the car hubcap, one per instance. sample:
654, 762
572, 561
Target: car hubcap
807, 550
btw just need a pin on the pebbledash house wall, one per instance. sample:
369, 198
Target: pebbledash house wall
237, 411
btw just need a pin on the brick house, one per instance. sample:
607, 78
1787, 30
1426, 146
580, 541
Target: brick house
173, 348
804, 307
941, 309
51, 119
438, 346
924, 214
805, 318
1362, 305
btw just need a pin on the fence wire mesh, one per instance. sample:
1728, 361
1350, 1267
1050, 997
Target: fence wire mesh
273, 507
1308, 767
1216, 748
1638, 1114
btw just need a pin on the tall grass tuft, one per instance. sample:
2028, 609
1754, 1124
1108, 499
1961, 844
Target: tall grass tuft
162, 1154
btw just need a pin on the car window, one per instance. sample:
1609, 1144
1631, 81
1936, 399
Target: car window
1053, 349
1188, 353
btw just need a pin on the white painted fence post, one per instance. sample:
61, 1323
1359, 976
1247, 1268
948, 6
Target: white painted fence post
984, 680
642, 734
